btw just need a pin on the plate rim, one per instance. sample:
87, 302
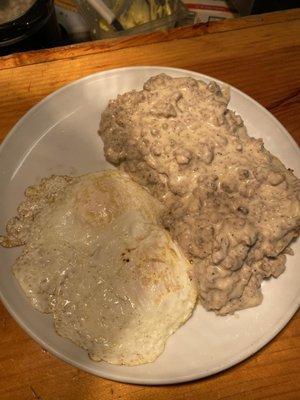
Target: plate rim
249, 350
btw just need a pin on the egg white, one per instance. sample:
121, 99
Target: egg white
97, 258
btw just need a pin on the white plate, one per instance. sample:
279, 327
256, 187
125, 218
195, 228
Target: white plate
59, 136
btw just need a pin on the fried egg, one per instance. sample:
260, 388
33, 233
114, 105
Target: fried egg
96, 257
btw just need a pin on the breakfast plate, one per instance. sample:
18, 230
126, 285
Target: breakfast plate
59, 136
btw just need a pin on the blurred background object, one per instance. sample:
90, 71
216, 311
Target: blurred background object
246, 7
10, 10
69, 17
135, 16
36, 24
202, 11
28, 24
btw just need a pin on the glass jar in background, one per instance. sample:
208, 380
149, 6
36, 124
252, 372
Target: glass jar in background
27, 25
136, 16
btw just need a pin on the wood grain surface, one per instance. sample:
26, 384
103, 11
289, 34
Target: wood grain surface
261, 56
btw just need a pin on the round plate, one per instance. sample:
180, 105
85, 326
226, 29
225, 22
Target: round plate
59, 136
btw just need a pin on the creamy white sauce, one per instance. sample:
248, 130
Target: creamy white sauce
231, 205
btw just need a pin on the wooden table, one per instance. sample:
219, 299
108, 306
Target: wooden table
261, 56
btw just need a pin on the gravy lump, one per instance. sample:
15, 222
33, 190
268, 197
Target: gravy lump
231, 205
